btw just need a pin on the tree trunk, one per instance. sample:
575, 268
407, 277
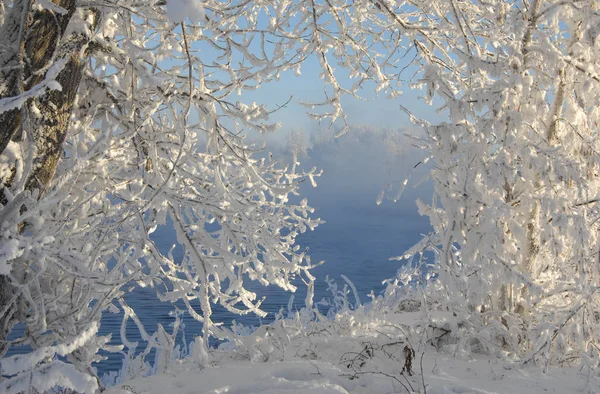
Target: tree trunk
12, 48
34, 38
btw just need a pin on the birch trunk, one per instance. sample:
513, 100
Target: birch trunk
32, 40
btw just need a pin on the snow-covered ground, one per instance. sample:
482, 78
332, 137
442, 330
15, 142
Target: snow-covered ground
442, 374
356, 352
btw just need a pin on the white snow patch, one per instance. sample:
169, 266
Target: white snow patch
443, 374
9, 250
180, 10
8, 159
279, 358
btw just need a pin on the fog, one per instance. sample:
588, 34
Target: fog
359, 165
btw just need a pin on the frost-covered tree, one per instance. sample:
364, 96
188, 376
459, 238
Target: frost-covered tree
118, 117
516, 173
514, 161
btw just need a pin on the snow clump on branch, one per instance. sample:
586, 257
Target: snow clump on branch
179, 10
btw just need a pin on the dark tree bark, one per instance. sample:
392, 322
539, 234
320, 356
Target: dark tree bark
12, 36
32, 39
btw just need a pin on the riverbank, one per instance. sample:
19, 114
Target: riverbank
369, 350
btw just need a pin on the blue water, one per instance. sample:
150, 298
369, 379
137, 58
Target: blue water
357, 241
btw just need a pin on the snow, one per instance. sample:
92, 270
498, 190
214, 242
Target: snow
442, 374
49, 83
289, 377
179, 10
329, 356
42, 371
9, 250
47, 377
48, 5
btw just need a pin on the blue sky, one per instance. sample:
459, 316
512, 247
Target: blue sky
377, 111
